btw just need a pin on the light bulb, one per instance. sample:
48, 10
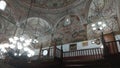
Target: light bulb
29, 55
12, 46
19, 45
16, 38
93, 42
26, 49
101, 46
22, 39
4, 50
93, 25
67, 20
20, 54
28, 40
11, 39
94, 28
104, 25
99, 23
100, 28
6, 45
2, 5
15, 54
35, 41
31, 52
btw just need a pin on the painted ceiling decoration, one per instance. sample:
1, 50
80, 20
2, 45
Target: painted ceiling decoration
68, 20
36, 28
102, 8
7, 28
102, 11
69, 27
49, 4
111, 26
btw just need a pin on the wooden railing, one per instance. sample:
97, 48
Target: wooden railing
51, 55
112, 47
58, 53
93, 53
83, 52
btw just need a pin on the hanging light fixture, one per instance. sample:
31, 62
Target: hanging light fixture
17, 45
21, 44
3, 5
98, 26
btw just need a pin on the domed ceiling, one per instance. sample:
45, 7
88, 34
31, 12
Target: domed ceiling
69, 29
43, 25
49, 4
102, 11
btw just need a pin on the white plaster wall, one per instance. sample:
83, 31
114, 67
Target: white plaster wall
66, 47
90, 45
117, 37
80, 46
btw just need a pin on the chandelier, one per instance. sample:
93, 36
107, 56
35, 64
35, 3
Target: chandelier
98, 26
18, 45
21, 45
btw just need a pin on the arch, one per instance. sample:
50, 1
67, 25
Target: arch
68, 29
36, 28
36, 23
55, 26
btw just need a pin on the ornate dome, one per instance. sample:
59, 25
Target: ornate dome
49, 4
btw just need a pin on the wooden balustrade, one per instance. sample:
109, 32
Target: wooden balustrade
50, 54
86, 54
83, 52
113, 47
58, 53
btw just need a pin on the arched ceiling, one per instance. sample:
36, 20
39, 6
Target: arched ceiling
102, 11
70, 27
54, 14
48, 4
105, 8
36, 28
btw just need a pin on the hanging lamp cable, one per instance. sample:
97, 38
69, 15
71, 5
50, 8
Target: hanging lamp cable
28, 14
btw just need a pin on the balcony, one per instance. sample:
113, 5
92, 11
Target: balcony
54, 57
